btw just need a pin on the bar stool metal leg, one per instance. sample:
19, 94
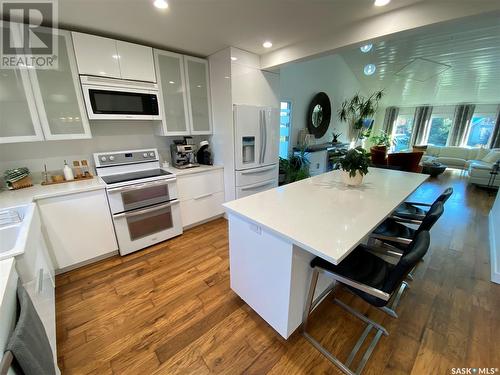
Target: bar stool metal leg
371, 325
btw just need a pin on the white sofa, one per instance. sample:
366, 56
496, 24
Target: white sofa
477, 161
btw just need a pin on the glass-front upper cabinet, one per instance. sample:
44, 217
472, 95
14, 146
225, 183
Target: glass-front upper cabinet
173, 99
198, 89
58, 95
19, 121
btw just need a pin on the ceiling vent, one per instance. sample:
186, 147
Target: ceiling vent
422, 69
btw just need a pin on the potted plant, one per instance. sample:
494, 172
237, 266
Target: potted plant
382, 141
335, 138
295, 168
356, 110
354, 166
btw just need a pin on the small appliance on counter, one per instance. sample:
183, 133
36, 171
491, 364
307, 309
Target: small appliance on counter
204, 155
183, 154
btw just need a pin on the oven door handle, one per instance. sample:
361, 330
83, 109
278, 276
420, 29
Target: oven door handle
145, 210
139, 186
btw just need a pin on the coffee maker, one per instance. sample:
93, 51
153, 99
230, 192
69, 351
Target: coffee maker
204, 155
183, 154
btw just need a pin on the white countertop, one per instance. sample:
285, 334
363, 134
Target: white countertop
202, 168
324, 216
9, 198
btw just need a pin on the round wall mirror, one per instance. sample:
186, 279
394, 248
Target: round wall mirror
319, 114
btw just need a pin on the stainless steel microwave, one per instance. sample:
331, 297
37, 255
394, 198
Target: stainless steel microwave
115, 99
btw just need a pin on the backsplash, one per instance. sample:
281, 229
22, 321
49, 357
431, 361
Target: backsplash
106, 136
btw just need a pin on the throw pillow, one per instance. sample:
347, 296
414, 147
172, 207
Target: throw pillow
492, 157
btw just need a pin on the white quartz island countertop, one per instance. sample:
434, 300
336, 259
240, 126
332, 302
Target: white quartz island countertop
324, 216
9, 198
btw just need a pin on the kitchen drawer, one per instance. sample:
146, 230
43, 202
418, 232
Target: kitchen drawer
256, 175
245, 191
196, 185
202, 208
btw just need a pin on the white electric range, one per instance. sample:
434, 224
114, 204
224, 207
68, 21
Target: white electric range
142, 197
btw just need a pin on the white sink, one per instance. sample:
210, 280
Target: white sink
13, 237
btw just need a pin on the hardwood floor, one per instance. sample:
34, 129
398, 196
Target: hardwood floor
169, 309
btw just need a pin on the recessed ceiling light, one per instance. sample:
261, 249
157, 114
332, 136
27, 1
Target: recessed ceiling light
369, 69
171, 82
116, 56
160, 4
234, 58
267, 44
381, 3
366, 48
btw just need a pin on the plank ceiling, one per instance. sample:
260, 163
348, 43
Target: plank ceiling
446, 65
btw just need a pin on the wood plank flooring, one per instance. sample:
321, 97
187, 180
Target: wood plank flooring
169, 309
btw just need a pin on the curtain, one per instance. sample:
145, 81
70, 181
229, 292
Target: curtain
391, 115
420, 122
463, 115
495, 140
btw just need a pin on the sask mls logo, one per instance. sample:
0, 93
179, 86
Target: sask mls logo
29, 44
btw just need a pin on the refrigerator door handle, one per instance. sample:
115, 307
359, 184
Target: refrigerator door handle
262, 144
264, 114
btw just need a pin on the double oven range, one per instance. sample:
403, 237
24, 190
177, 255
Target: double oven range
142, 198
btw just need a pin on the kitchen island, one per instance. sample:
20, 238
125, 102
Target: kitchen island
275, 234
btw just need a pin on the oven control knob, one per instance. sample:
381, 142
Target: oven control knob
145, 154
103, 158
111, 158
152, 154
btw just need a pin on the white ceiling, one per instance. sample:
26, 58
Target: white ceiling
410, 67
203, 27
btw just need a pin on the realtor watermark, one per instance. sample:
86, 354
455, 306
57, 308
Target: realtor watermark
29, 34
474, 371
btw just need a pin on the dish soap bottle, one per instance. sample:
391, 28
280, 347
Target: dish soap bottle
68, 172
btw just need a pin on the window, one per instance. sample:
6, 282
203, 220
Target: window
440, 125
481, 126
403, 128
285, 127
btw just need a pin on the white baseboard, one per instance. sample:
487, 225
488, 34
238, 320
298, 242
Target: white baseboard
495, 267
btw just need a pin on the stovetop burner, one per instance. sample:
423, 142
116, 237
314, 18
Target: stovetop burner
131, 176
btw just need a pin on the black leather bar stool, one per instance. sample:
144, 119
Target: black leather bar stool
393, 232
372, 279
415, 210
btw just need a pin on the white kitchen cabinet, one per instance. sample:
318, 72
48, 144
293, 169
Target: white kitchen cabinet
79, 227
58, 95
19, 121
198, 90
112, 58
173, 96
96, 55
201, 196
36, 271
185, 94
43, 104
136, 61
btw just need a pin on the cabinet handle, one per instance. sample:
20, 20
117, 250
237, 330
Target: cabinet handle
146, 210
40, 280
203, 196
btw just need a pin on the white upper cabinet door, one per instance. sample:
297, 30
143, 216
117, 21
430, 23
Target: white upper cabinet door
136, 61
58, 95
198, 95
173, 98
19, 121
96, 55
